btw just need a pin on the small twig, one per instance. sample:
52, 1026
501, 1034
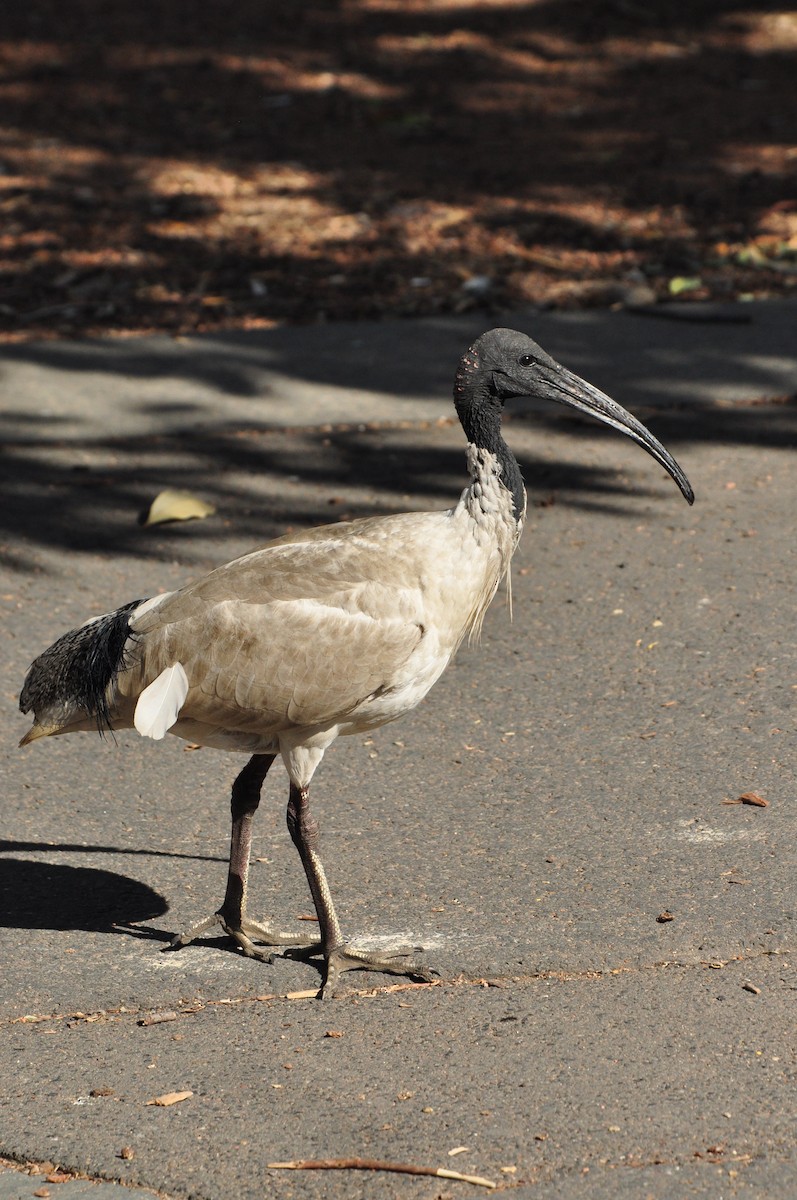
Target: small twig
375, 1164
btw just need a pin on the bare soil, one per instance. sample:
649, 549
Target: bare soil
190, 166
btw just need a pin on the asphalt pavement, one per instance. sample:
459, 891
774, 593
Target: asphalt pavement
558, 825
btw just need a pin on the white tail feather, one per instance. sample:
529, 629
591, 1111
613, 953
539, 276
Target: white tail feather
159, 704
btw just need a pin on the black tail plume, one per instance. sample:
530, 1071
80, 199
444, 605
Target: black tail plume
73, 675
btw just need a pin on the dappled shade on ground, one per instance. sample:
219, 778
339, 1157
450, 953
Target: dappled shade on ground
168, 168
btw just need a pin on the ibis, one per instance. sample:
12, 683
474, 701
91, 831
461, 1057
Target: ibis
320, 633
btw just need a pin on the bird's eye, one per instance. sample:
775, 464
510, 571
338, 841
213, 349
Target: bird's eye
526, 360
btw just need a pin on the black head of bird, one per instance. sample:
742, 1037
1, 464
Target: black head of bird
325, 632
503, 364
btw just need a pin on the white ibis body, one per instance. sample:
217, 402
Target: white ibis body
333, 630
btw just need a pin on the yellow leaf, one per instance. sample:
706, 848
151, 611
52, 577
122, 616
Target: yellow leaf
169, 1098
174, 505
684, 283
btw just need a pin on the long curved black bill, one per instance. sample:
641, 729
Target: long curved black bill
564, 387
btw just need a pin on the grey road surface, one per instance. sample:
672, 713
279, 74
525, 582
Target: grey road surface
564, 786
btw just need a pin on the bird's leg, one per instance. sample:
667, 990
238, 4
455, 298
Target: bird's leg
338, 955
232, 915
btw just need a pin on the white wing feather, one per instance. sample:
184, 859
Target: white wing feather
159, 704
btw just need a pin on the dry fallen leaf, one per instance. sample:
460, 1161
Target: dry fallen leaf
174, 505
665, 916
333, 1033
754, 799
169, 1098
749, 798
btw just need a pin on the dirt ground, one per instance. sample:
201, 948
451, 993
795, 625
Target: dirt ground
184, 167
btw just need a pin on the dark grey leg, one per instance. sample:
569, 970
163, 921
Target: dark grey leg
232, 915
338, 955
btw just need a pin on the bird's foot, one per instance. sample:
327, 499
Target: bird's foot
344, 957
243, 932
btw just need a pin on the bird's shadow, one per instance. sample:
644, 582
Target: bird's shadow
8, 845
36, 895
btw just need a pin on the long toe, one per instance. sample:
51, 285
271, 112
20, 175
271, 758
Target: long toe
244, 933
394, 962
263, 931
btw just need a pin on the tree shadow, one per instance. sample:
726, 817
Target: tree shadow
94, 511
163, 165
266, 482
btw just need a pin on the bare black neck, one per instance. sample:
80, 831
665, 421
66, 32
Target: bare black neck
480, 411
